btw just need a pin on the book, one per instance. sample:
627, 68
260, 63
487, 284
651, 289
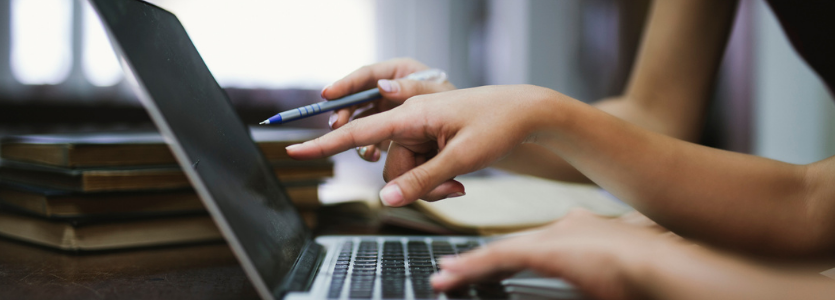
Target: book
506, 204
136, 178
129, 148
80, 207
115, 235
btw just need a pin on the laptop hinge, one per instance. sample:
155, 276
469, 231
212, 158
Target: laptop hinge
303, 272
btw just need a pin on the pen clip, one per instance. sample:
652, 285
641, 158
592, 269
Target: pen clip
432, 75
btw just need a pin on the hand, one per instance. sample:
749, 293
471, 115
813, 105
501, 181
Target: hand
438, 136
599, 256
394, 93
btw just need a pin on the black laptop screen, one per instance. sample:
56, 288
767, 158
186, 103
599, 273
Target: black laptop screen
193, 113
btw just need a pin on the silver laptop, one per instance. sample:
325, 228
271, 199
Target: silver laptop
243, 196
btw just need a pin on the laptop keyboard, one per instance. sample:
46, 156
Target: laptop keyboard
397, 265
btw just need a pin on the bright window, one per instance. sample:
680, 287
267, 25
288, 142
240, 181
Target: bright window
41, 39
101, 67
279, 44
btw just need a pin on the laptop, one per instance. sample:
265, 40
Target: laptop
249, 205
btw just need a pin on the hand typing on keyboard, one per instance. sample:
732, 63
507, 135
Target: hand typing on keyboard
603, 257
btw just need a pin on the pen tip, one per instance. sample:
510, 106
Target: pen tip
265, 122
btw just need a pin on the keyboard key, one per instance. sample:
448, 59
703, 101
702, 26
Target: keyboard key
361, 295
393, 288
360, 279
340, 270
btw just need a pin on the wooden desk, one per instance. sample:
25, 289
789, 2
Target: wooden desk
206, 271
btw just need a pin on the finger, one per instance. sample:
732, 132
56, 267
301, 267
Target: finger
332, 119
498, 258
421, 179
396, 68
369, 153
366, 77
401, 89
400, 160
448, 189
394, 93
370, 111
341, 117
636, 218
355, 112
362, 132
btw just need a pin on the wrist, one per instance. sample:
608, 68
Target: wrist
550, 115
645, 270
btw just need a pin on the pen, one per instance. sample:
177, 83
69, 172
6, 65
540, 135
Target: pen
435, 75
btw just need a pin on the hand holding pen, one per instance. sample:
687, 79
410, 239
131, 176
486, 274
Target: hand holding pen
395, 80
353, 100
394, 92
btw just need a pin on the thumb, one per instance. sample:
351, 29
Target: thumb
420, 180
401, 89
499, 259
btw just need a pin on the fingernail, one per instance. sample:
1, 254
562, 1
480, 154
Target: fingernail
388, 86
322, 94
361, 151
445, 261
376, 156
391, 195
456, 194
332, 120
292, 146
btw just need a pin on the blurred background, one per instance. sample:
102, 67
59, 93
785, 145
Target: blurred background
58, 72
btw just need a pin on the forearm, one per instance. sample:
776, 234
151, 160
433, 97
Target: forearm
538, 161
699, 273
732, 199
534, 160
670, 84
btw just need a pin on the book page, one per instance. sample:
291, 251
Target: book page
509, 203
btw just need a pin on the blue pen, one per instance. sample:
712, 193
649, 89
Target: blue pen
358, 98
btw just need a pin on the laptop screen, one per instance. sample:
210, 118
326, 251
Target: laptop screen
210, 142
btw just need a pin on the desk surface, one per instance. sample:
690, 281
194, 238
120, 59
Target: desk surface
208, 271
205, 271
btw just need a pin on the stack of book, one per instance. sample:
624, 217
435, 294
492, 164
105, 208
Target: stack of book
120, 190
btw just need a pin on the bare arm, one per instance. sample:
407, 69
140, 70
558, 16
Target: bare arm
730, 199
670, 84
700, 273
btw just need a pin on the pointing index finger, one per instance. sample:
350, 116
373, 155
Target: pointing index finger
366, 131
